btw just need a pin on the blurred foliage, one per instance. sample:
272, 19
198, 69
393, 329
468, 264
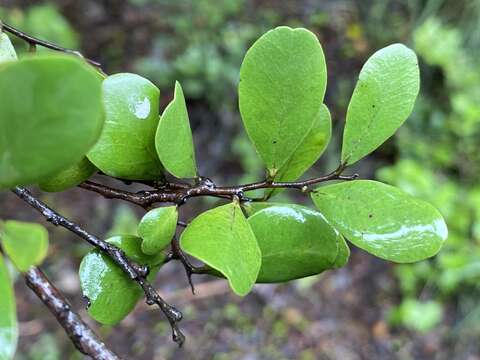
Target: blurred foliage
44, 22
125, 222
421, 316
203, 52
439, 161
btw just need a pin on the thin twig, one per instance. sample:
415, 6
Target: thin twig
190, 269
179, 194
142, 198
162, 191
33, 41
82, 336
134, 271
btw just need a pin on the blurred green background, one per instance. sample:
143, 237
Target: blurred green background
368, 310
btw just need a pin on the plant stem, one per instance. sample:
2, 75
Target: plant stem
135, 272
179, 193
82, 336
33, 42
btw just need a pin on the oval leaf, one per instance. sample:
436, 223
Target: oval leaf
282, 84
308, 152
126, 148
157, 229
70, 177
26, 244
222, 238
295, 242
174, 141
8, 315
110, 292
382, 100
343, 253
382, 220
50, 116
7, 51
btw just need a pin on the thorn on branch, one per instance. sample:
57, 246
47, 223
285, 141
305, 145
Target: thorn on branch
190, 269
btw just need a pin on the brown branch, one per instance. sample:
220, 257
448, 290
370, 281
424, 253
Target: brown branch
82, 336
142, 198
205, 187
190, 269
33, 42
134, 271
162, 192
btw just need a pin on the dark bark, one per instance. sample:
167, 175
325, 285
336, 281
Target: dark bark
84, 339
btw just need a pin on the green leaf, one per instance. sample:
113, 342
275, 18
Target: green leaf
70, 177
295, 242
50, 116
382, 100
8, 315
174, 141
282, 84
343, 253
382, 220
157, 229
26, 244
308, 152
7, 51
111, 293
253, 207
417, 315
222, 238
124, 221
126, 148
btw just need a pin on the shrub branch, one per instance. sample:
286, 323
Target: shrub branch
159, 192
33, 42
134, 271
179, 193
82, 336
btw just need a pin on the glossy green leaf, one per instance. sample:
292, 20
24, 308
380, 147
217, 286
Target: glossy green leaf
26, 244
7, 51
157, 228
308, 152
282, 84
295, 242
70, 177
382, 220
126, 148
174, 141
110, 292
8, 315
382, 100
253, 207
50, 116
343, 253
222, 238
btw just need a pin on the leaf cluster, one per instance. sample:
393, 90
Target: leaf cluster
62, 121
